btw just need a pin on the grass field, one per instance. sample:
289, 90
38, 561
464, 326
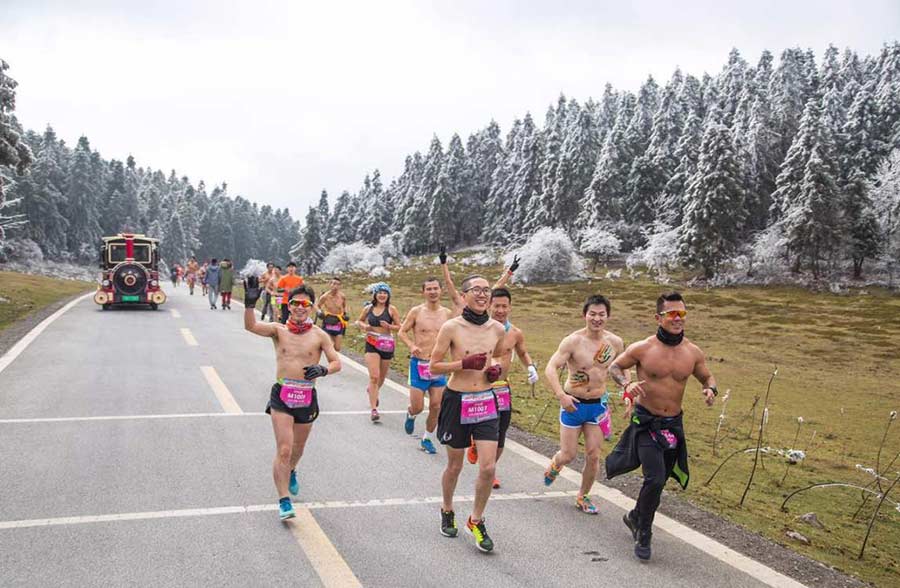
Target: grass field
838, 368
21, 294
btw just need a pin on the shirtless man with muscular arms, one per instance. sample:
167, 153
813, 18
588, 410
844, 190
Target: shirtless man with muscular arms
468, 406
293, 402
424, 320
584, 402
654, 439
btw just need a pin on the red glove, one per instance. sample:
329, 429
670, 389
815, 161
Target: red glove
492, 373
626, 394
474, 362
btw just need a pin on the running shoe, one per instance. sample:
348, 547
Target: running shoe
551, 473
479, 531
642, 545
472, 453
427, 446
375, 416
294, 486
496, 483
631, 521
410, 425
585, 505
448, 524
286, 509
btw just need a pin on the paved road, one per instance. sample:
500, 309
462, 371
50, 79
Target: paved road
134, 450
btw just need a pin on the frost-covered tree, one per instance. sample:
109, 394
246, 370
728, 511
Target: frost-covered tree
576, 165
599, 245
13, 151
548, 256
81, 204
417, 219
885, 194
444, 214
714, 199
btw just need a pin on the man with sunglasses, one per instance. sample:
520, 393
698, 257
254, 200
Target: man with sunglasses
468, 406
654, 439
293, 402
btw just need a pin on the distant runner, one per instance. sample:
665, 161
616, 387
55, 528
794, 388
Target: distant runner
332, 309
584, 402
654, 438
424, 321
379, 320
271, 287
193, 268
287, 283
211, 280
293, 401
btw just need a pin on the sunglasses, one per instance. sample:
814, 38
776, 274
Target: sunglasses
671, 314
301, 302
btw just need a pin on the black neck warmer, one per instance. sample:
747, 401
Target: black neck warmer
668, 338
475, 319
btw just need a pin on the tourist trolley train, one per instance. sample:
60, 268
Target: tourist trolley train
130, 272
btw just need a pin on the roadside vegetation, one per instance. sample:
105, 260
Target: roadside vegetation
22, 294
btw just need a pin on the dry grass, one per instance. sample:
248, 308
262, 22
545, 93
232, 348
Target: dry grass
23, 293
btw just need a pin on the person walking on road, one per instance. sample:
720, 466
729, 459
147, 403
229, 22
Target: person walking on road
285, 284
424, 320
211, 280
201, 275
293, 400
655, 438
584, 403
468, 406
226, 282
379, 319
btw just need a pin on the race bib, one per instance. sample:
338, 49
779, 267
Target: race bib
606, 425
477, 407
380, 342
296, 393
424, 368
669, 439
504, 396
333, 327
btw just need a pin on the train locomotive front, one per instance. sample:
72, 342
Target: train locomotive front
130, 272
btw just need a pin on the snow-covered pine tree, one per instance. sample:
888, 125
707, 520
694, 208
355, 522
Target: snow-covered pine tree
445, 215
81, 204
13, 151
578, 156
554, 132
374, 220
713, 210
416, 225
500, 208
485, 154
341, 222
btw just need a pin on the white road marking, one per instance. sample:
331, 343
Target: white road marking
706, 544
25, 341
229, 404
175, 313
325, 559
188, 337
221, 510
189, 415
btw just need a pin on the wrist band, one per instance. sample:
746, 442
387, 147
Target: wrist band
626, 393
715, 390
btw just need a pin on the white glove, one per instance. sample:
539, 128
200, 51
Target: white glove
532, 375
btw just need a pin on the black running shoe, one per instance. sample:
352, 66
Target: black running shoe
642, 545
448, 524
630, 520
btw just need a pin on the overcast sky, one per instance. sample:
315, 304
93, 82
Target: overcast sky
283, 99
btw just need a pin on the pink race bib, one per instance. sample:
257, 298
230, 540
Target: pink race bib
606, 425
380, 342
670, 437
296, 393
504, 396
424, 368
334, 327
477, 407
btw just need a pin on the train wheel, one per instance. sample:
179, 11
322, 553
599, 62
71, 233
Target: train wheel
106, 307
153, 306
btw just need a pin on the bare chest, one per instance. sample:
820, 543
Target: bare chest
662, 363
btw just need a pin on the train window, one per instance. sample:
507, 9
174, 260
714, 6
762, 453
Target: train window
117, 253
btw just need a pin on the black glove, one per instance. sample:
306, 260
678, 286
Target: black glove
251, 291
515, 264
443, 254
311, 372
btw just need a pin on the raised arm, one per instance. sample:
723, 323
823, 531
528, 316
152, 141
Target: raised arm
251, 295
455, 298
508, 273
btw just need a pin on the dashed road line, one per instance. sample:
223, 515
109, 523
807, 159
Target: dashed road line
188, 337
175, 313
223, 394
331, 567
224, 510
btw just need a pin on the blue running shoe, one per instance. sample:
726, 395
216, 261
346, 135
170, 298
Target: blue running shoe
410, 425
286, 509
294, 486
428, 446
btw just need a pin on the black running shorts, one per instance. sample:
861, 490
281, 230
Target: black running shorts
457, 435
302, 416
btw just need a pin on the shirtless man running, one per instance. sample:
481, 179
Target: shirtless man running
654, 439
332, 309
424, 321
293, 402
468, 406
513, 341
587, 354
